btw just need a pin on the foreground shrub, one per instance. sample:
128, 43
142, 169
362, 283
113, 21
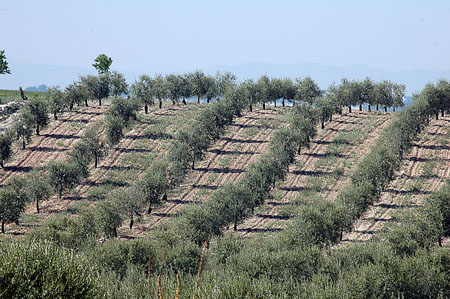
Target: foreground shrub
422, 275
43, 270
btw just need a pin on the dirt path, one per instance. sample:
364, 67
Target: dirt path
320, 170
423, 171
224, 162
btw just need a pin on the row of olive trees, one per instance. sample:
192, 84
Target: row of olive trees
351, 93
405, 257
438, 96
61, 176
236, 201
88, 88
321, 222
189, 145
35, 114
32, 117
57, 176
177, 87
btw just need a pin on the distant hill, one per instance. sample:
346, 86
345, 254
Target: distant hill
42, 88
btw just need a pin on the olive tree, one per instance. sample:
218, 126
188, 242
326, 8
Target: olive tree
307, 90
174, 87
159, 88
104, 87
118, 83
12, 201
287, 90
109, 217
35, 112
153, 186
56, 101
185, 87
81, 156
399, 95
384, 94
124, 108
197, 79
143, 90
63, 176
210, 88
129, 204
38, 188
325, 106
74, 94
263, 85
179, 160
224, 82
89, 86
367, 93
5, 147
114, 129
352, 93
275, 90
22, 130
95, 144
196, 141
252, 93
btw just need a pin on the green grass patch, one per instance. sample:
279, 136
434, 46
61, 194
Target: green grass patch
99, 193
7, 96
30, 218
76, 207
250, 132
427, 169
224, 162
138, 160
60, 143
211, 178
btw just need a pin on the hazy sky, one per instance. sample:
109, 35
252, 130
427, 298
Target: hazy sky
166, 36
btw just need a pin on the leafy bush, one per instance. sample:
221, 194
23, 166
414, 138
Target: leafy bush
43, 270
